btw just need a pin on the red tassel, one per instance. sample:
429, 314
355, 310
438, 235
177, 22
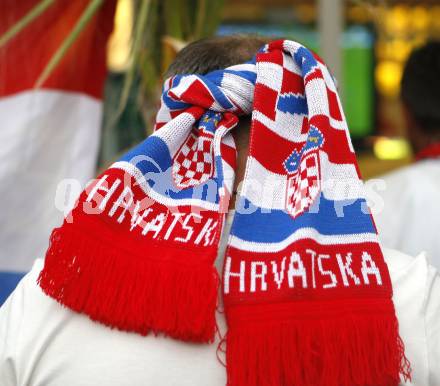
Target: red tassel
343, 348
153, 289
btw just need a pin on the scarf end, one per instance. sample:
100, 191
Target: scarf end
349, 350
154, 290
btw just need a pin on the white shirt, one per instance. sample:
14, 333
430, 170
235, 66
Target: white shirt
410, 219
44, 344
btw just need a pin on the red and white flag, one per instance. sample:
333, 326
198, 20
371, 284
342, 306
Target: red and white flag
46, 134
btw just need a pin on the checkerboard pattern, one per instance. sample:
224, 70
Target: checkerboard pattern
303, 187
194, 162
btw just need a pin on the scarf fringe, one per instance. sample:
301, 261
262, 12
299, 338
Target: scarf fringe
131, 292
364, 350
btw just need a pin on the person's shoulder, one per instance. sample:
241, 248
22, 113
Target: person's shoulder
413, 277
409, 274
28, 304
401, 264
397, 260
29, 285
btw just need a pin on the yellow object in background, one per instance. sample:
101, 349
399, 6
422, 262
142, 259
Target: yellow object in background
388, 74
391, 148
397, 20
419, 18
119, 45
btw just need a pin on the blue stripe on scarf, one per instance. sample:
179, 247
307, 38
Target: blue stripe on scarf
305, 60
212, 82
171, 103
150, 156
293, 104
277, 225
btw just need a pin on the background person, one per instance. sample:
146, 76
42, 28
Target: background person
410, 218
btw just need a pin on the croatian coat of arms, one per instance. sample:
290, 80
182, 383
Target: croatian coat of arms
194, 162
304, 180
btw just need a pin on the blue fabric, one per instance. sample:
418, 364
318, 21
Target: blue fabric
277, 225
174, 105
293, 104
8, 282
158, 158
217, 93
171, 103
305, 60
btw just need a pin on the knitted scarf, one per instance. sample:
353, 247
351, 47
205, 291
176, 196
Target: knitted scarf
307, 294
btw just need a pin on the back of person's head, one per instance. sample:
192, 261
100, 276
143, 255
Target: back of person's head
420, 88
215, 53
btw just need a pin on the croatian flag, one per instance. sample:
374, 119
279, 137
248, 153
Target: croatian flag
46, 134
